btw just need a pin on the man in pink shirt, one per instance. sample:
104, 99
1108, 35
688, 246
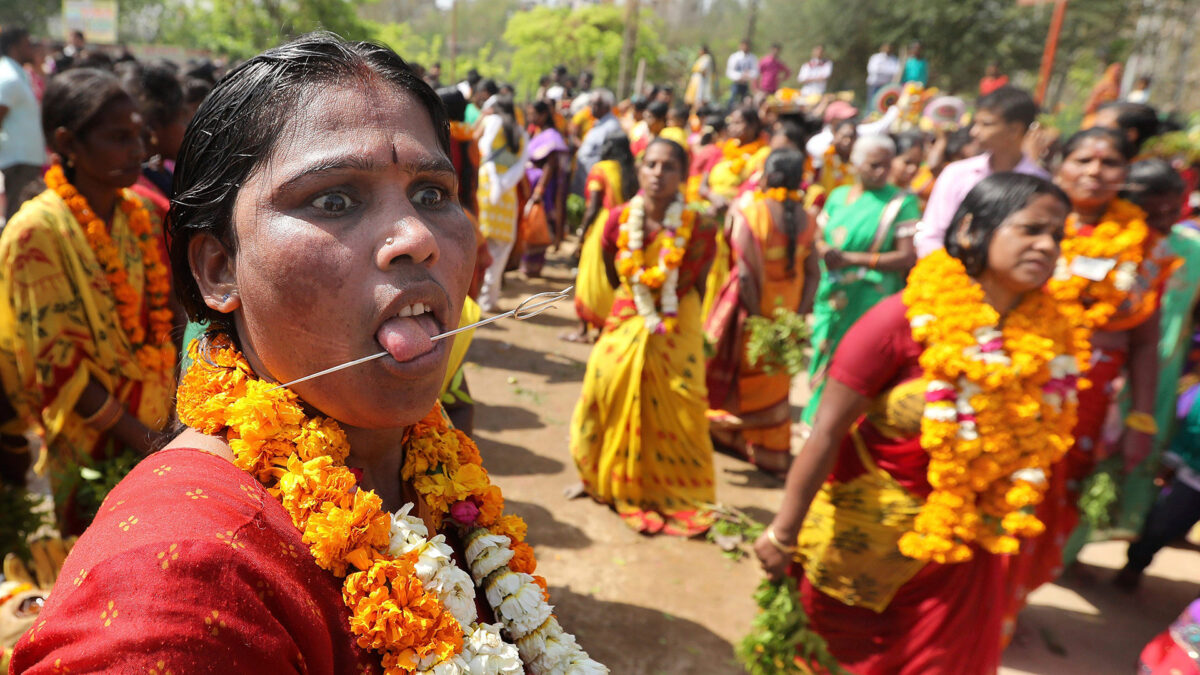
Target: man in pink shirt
1001, 120
771, 71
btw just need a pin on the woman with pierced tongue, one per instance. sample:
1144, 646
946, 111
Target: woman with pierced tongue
336, 525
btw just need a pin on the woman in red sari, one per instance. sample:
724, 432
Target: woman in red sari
330, 526
897, 512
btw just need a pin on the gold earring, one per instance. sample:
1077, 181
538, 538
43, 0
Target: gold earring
70, 162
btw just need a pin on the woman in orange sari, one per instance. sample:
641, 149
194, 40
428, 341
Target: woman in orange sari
1111, 279
898, 512
776, 265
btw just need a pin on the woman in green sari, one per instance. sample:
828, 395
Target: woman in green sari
865, 246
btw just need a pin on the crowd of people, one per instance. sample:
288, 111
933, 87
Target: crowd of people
994, 315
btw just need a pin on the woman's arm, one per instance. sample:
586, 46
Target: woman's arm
1143, 386
899, 260
595, 203
840, 407
127, 428
812, 279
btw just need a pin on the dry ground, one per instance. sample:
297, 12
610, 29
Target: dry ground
661, 605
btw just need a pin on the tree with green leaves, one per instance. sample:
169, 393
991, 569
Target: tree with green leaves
588, 38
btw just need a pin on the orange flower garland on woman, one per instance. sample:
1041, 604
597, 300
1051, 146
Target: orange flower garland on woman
407, 599
1099, 269
1000, 407
156, 354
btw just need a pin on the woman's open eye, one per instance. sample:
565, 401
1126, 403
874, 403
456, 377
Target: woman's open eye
431, 197
332, 203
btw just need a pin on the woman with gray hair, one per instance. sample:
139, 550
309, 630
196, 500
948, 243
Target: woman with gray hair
865, 246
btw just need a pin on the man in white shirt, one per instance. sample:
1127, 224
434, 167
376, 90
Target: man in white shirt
814, 75
22, 151
881, 70
741, 69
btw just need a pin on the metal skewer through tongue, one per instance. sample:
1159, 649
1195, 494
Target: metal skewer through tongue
527, 309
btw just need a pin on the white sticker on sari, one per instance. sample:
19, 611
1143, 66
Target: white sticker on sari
1092, 269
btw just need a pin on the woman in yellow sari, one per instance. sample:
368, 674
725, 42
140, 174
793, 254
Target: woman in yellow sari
612, 181
85, 349
743, 156
639, 435
777, 268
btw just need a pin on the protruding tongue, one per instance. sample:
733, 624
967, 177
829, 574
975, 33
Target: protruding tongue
406, 339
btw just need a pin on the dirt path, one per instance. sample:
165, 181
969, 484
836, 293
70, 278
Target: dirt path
663, 606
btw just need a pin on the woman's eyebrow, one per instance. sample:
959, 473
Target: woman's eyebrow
427, 164
352, 161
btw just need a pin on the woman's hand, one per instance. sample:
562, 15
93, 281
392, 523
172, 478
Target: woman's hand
717, 205
835, 259
774, 562
1136, 447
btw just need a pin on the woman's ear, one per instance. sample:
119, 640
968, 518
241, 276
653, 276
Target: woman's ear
213, 268
961, 236
64, 144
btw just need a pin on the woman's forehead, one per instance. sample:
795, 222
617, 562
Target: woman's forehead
363, 119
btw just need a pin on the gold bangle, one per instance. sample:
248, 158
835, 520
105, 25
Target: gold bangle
100, 412
114, 417
105, 416
874, 260
1142, 422
778, 544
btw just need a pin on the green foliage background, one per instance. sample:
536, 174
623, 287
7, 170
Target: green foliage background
504, 39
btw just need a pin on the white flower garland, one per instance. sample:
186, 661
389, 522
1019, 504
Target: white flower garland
518, 603
643, 297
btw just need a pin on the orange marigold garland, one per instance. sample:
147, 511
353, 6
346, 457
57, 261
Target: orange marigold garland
408, 600
156, 354
737, 154
1119, 243
1000, 409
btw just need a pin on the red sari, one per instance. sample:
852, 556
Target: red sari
942, 618
192, 567
1041, 560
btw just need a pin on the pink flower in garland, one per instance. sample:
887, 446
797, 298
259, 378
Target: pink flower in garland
464, 512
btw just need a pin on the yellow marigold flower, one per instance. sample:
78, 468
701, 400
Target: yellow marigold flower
511, 526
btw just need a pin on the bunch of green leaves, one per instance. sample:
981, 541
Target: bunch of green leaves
22, 519
1184, 144
91, 483
1100, 491
576, 206
780, 633
732, 531
777, 344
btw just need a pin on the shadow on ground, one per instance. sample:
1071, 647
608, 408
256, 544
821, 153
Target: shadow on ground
545, 529
1041, 647
495, 351
607, 629
501, 417
506, 459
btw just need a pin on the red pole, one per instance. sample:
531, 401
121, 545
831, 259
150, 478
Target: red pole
1056, 22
